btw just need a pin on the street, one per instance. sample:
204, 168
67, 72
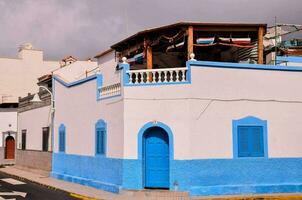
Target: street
14, 189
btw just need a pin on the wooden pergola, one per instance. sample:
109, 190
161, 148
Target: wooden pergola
145, 38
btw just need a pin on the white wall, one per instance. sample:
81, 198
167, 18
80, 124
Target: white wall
20, 75
33, 121
200, 114
107, 65
6, 119
78, 109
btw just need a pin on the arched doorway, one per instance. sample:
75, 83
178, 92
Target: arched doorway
156, 158
10, 148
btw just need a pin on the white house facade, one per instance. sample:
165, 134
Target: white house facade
209, 128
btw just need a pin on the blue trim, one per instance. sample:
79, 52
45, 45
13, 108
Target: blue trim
75, 83
101, 125
295, 59
62, 128
99, 84
249, 121
125, 78
150, 125
244, 66
189, 72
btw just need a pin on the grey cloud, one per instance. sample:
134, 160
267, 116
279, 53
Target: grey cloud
84, 27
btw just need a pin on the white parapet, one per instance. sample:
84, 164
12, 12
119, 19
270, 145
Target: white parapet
110, 90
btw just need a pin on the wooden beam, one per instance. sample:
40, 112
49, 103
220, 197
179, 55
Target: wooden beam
190, 41
149, 61
149, 57
260, 44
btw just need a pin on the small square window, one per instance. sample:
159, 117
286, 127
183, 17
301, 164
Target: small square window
250, 141
250, 137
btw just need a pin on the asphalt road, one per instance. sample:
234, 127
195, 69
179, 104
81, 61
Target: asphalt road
12, 188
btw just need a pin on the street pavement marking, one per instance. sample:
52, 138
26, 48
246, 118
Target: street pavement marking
12, 181
13, 193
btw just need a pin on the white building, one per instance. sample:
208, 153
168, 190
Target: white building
18, 77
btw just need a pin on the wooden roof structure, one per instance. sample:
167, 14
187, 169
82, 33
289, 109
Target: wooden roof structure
190, 30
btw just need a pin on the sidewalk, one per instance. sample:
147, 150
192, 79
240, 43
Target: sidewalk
75, 189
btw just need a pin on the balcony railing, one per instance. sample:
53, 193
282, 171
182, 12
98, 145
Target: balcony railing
152, 76
110, 90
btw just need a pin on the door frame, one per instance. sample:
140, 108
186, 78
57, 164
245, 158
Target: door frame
141, 145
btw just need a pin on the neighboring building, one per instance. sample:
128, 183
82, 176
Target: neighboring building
35, 118
163, 121
19, 75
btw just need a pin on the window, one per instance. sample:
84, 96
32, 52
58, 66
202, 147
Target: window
100, 137
45, 138
23, 139
250, 141
62, 138
249, 137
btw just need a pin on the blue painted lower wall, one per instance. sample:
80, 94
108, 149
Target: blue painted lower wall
96, 171
238, 176
199, 177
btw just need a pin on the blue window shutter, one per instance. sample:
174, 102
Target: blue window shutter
243, 141
100, 137
102, 133
257, 149
100, 141
62, 140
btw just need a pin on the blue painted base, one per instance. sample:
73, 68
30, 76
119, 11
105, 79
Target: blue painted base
244, 189
89, 182
199, 177
238, 176
95, 171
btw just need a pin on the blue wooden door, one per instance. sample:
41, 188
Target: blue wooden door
156, 159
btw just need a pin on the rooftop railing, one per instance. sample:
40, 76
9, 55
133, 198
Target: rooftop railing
152, 76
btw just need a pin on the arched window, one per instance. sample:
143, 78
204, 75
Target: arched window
249, 137
100, 137
62, 138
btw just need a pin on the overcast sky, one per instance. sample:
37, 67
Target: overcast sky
85, 27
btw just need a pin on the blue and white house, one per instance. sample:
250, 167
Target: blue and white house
206, 127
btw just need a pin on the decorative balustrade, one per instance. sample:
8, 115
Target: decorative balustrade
110, 90
152, 76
